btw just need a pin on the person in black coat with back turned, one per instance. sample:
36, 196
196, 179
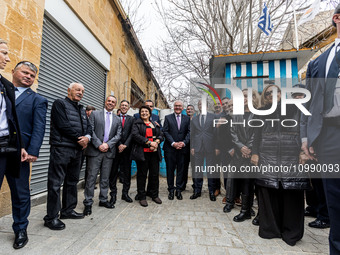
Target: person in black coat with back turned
177, 137
147, 136
281, 194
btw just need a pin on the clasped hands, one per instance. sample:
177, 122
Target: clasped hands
178, 145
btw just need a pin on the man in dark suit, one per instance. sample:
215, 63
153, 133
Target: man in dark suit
12, 150
177, 137
320, 131
31, 110
203, 147
101, 153
122, 159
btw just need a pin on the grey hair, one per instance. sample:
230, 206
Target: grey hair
179, 101
74, 83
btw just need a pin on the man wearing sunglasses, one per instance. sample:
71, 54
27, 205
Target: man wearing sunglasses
31, 109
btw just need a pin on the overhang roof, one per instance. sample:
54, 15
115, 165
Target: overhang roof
217, 63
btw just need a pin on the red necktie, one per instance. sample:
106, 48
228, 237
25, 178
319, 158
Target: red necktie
123, 121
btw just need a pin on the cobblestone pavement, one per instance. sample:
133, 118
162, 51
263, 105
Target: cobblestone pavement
175, 227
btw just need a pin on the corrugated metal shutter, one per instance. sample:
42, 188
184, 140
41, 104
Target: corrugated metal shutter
62, 62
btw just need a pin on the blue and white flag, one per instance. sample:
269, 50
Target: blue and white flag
264, 23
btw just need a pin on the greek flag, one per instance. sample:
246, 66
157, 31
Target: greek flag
264, 23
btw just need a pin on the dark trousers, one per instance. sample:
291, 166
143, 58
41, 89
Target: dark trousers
174, 162
321, 208
200, 163
123, 163
20, 194
149, 165
186, 169
327, 151
21, 197
64, 168
281, 214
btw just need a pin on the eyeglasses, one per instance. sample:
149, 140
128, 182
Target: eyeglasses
29, 64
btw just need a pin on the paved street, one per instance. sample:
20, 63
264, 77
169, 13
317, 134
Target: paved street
175, 227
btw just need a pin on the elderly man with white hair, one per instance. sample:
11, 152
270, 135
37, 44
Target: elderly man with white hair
69, 136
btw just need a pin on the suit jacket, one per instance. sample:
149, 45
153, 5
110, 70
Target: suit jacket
172, 134
31, 110
315, 83
154, 118
203, 138
97, 122
13, 159
126, 135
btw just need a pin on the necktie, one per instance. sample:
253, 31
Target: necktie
123, 121
107, 127
179, 121
202, 120
332, 78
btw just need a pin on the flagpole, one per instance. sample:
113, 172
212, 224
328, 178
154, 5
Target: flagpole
296, 29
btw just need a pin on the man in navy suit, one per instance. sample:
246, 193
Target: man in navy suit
31, 109
12, 150
320, 132
203, 146
177, 137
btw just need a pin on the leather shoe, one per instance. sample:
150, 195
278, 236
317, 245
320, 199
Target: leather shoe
318, 224
256, 221
21, 239
113, 199
55, 224
179, 195
227, 208
126, 198
212, 197
106, 204
195, 195
157, 200
217, 192
87, 210
171, 195
72, 215
143, 203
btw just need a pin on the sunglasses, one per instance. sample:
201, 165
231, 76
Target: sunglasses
29, 64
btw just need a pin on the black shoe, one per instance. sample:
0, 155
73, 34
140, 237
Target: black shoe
252, 212
21, 239
106, 204
212, 197
318, 224
126, 198
113, 199
55, 224
136, 197
242, 216
195, 195
256, 220
179, 195
227, 208
72, 215
87, 210
171, 195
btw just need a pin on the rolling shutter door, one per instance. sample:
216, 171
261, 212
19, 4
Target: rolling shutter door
62, 62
